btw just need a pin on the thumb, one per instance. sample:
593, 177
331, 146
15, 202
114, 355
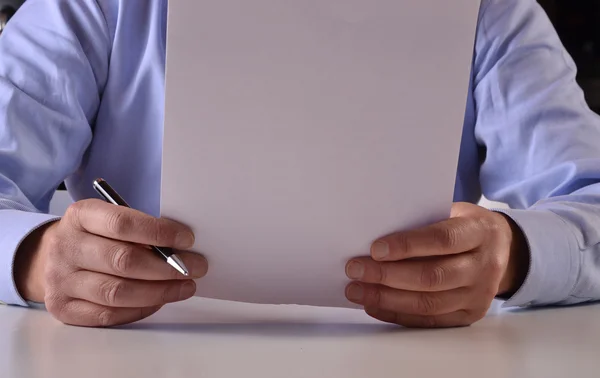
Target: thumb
464, 209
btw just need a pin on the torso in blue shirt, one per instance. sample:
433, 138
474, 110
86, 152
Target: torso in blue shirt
126, 147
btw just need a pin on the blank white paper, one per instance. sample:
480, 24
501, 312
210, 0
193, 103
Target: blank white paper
299, 131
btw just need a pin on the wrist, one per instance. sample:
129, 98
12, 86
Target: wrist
518, 262
30, 262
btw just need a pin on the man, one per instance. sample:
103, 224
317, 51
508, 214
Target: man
86, 100
6, 13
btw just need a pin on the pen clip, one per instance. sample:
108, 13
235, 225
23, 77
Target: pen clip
108, 193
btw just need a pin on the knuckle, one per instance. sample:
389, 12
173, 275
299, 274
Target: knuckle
106, 317
163, 233
374, 297
54, 243
433, 277
487, 223
111, 290
401, 245
119, 223
474, 316
430, 322
446, 237
425, 321
492, 266
166, 294
489, 292
496, 264
72, 212
58, 246
121, 258
426, 304
56, 305
495, 228
54, 253
52, 277
51, 302
382, 274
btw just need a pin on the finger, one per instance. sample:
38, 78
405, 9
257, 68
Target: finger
133, 261
85, 314
439, 274
408, 302
452, 236
455, 319
119, 292
125, 224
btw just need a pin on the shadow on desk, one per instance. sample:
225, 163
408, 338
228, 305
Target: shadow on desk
208, 316
281, 329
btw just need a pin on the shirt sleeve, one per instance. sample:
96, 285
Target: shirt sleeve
53, 68
540, 146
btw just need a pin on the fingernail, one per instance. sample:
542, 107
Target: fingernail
355, 270
355, 292
184, 240
198, 267
187, 290
380, 250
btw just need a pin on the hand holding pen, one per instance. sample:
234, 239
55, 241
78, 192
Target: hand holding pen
94, 266
111, 196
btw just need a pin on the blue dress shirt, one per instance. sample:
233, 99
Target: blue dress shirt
81, 96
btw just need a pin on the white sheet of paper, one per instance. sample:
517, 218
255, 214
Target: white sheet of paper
298, 131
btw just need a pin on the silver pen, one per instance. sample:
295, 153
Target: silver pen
111, 196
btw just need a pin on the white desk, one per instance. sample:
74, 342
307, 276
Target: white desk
202, 338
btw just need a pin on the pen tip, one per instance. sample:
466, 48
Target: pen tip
176, 263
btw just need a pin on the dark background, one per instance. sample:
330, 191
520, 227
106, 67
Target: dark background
578, 24
14, 3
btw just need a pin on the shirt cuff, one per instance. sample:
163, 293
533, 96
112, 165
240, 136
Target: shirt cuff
16, 226
554, 258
